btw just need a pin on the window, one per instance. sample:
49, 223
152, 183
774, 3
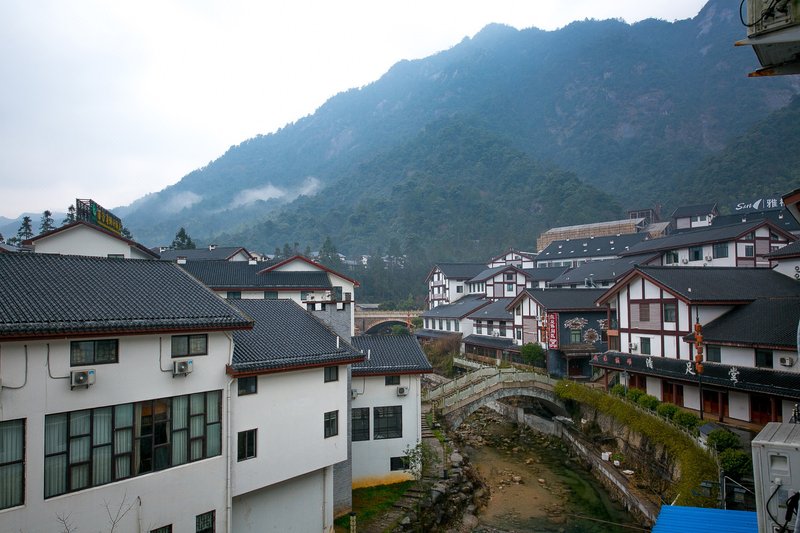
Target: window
763, 359
96, 446
669, 311
184, 345
644, 344
456, 326
360, 423
331, 424
399, 463
304, 295
204, 523
348, 296
502, 328
519, 334
12, 463
574, 336
331, 373
440, 324
478, 327
270, 295
644, 312
696, 253
247, 444
518, 310
392, 380
388, 422
234, 295
720, 250
94, 352
459, 289
509, 276
509, 287
749, 250
427, 324
448, 324
713, 354
248, 385
671, 257
162, 529
337, 293
116, 256
490, 327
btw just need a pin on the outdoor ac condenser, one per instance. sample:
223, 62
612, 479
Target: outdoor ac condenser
776, 469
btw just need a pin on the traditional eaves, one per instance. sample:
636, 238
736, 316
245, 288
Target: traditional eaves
389, 354
566, 299
496, 310
602, 246
491, 342
487, 273
44, 295
791, 250
694, 210
545, 273
601, 271
460, 271
218, 253
285, 337
458, 309
242, 275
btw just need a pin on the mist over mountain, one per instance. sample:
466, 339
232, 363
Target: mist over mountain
490, 142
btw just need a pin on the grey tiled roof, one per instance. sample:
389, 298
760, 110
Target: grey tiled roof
45, 295
491, 342
567, 299
601, 271
722, 284
707, 235
766, 321
790, 250
458, 309
390, 354
461, 270
220, 253
494, 311
487, 273
434, 333
693, 210
285, 337
242, 275
780, 217
609, 245
544, 273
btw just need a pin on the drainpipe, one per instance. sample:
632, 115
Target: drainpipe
229, 429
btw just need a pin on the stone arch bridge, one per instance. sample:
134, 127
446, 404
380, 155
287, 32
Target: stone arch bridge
374, 321
458, 399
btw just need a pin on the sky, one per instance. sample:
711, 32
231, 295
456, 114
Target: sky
112, 100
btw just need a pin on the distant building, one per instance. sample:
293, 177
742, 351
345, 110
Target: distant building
694, 216
574, 252
83, 238
596, 229
211, 253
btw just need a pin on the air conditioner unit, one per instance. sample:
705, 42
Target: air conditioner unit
81, 378
402, 391
787, 361
708, 258
632, 346
181, 368
328, 295
684, 261
312, 297
354, 393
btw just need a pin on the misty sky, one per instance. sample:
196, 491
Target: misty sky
113, 100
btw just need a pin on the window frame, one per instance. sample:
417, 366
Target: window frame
204, 516
360, 425
9, 465
247, 385
716, 350
749, 250
695, 253
391, 380
720, 250
189, 338
764, 359
645, 341
387, 422
233, 295
331, 374
671, 257
673, 308
271, 295
246, 444
402, 462
94, 342
330, 424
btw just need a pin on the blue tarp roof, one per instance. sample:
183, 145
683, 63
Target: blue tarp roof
678, 519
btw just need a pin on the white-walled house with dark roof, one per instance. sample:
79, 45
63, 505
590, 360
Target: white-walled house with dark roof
113, 393
447, 282
83, 238
386, 408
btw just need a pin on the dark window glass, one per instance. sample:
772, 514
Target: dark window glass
388, 422
270, 295
669, 311
12, 463
644, 344
696, 253
360, 423
763, 359
206, 522
713, 354
94, 352
337, 293
392, 380
162, 529
331, 373
234, 295
720, 250
248, 385
399, 463
247, 444
671, 257
185, 345
749, 251
331, 423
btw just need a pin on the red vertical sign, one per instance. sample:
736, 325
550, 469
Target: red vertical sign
552, 331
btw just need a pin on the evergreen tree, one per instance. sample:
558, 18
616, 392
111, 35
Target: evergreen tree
70, 216
287, 250
47, 223
25, 232
307, 252
277, 252
126, 233
2, 240
329, 256
182, 241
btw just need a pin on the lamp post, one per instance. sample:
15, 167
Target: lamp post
698, 356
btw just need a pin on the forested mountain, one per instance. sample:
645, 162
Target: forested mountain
486, 144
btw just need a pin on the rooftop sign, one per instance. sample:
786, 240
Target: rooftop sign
758, 204
89, 211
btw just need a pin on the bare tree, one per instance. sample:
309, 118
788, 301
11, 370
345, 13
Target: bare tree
66, 523
115, 516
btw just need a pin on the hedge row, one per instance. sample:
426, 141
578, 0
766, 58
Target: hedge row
696, 465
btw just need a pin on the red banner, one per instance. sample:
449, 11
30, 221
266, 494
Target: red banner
552, 331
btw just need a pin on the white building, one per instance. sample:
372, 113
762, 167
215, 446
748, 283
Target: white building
694, 216
386, 408
447, 282
83, 238
113, 396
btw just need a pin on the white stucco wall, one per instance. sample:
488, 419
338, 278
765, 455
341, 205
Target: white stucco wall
82, 240
789, 267
298, 505
193, 488
739, 405
371, 457
288, 412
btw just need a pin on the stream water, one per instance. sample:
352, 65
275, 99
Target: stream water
533, 483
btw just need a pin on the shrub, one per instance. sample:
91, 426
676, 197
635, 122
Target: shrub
722, 439
648, 402
618, 390
635, 394
736, 463
667, 410
533, 354
687, 420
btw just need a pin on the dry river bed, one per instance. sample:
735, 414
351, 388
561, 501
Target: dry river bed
534, 485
